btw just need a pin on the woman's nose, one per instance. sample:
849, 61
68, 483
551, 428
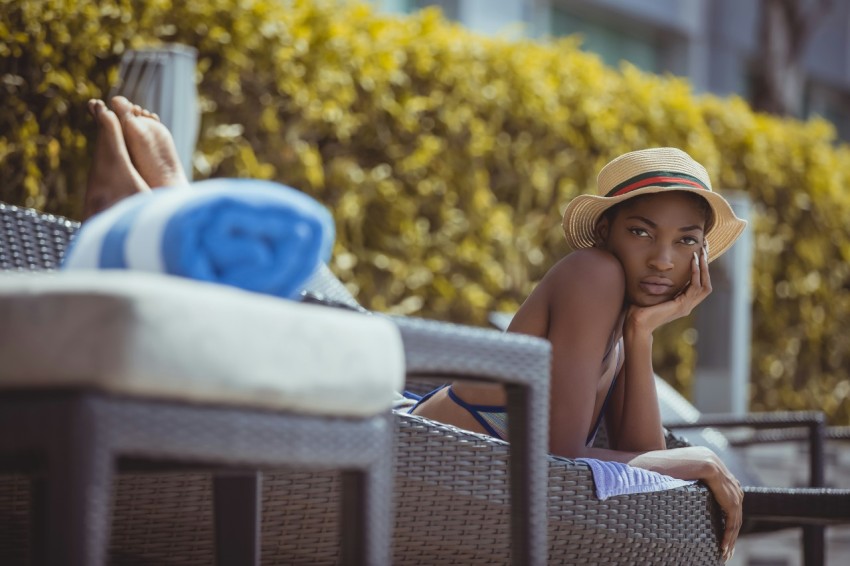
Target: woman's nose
661, 258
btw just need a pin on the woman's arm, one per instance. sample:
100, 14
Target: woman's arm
585, 298
691, 463
635, 420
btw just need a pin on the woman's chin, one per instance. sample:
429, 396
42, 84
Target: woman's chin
646, 300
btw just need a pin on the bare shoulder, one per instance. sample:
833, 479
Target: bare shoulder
587, 286
593, 271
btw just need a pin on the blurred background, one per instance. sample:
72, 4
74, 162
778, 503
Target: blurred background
786, 57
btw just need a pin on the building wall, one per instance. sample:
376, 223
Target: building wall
711, 42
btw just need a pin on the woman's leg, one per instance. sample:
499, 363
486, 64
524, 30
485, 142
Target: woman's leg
150, 145
112, 176
134, 152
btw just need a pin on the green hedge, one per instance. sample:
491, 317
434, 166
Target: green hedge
446, 157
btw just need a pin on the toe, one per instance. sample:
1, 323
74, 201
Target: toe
148, 114
122, 106
94, 106
109, 121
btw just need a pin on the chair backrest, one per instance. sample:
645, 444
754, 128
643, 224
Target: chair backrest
324, 286
31, 240
162, 79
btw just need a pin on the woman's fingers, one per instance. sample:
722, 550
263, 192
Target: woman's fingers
730, 536
733, 512
699, 286
696, 276
705, 278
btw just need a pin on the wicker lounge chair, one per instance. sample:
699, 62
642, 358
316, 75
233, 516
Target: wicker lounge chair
452, 491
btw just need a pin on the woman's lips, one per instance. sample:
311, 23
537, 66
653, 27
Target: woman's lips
656, 286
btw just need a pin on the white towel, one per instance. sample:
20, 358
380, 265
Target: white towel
614, 478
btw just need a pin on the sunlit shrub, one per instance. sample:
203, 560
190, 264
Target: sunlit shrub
445, 157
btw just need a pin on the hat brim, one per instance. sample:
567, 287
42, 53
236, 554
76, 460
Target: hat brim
584, 211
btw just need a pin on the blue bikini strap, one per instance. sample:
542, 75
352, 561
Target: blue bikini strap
475, 409
420, 400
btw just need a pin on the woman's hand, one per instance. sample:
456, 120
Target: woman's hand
696, 463
729, 495
695, 292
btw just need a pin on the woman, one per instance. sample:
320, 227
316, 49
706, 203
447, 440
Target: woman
641, 261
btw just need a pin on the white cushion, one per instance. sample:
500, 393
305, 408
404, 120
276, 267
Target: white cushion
159, 336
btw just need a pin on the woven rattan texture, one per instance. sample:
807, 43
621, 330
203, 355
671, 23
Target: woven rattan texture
29, 240
325, 284
435, 348
166, 518
452, 508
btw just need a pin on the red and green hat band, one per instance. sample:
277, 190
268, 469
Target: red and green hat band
657, 179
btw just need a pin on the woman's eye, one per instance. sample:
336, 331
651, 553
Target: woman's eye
638, 231
690, 241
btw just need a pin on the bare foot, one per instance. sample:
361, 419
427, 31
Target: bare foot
112, 175
150, 145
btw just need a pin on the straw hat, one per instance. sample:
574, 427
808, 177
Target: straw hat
649, 171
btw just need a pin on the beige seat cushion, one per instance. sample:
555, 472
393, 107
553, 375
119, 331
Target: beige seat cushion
158, 336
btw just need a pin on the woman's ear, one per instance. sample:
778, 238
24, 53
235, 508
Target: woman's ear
603, 228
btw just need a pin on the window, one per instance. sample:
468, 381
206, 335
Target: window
612, 44
830, 104
449, 7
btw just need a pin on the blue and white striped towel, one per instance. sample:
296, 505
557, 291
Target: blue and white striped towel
614, 478
256, 235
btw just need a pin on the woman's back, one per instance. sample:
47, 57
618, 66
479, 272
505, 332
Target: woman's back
555, 304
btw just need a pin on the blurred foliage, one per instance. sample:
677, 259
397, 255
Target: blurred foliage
445, 157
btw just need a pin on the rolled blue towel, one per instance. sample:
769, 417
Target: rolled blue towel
256, 235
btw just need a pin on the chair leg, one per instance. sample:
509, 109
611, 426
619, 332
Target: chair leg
813, 545
527, 436
366, 518
353, 524
238, 508
72, 519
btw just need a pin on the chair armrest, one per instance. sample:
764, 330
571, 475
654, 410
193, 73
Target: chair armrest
446, 351
814, 421
778, 419
797, 506
769, 436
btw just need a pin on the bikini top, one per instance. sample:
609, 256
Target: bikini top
612, 363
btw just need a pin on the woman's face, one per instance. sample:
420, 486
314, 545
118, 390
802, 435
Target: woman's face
655, 237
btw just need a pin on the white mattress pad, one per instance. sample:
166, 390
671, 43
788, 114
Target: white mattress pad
158, 336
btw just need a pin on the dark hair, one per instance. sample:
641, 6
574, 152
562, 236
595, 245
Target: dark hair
699, 201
